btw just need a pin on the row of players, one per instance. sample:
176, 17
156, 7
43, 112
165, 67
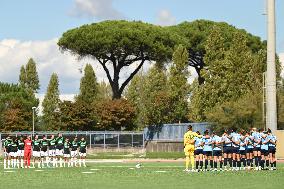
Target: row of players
44, 152
236, 150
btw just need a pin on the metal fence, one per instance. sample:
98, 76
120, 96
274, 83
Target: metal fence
124, 139
95, 139
173, 132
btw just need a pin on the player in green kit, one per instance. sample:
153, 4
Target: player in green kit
7, 150
82, 152
14, 152
67, 153
36, 152
59, 149
21, 146
43, 151
74, 152
51, 151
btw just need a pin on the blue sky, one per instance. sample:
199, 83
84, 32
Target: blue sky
30, 28
41, 20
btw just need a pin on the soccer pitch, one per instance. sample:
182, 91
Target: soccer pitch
125, 175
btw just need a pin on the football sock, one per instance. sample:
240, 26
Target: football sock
9, 163
18, 163
230, 162
239, 164
211, 163
225, 162
84, 162
221, 164
196, 165
274, 164
206, 163
244, 162
22, 163
234, 163
248, 162
256, 161
5, 164
215, 164
267, 163
191, 161
187, 162
201, 164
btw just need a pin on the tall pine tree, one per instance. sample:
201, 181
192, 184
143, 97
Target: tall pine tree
88, 86
50, 104
178, 85
29, 76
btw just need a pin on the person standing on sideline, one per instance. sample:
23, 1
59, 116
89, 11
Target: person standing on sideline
28, 151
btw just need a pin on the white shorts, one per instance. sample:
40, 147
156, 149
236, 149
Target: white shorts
14, 154
21, 153
66, 155
59, 152
36, 153
44, 154
82, 154
74, 153
51, 153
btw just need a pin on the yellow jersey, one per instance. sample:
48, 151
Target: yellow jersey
188, 138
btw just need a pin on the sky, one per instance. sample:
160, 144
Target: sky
31, 28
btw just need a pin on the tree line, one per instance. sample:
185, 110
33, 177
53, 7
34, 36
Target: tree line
227, 91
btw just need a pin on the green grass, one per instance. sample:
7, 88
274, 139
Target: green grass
125, 155
120, 176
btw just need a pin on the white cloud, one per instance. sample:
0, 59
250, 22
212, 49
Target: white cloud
49, 59
281, 57
165, 18
99, 9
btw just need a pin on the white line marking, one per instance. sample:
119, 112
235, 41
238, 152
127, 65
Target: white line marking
38, 170
160, 171
87, 172
131, 168
94, 169
9, 171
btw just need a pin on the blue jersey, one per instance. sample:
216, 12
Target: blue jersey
236, 138
257, 139
198, 143
249, 142
273, 139
207, 144
242, 142
227, 141
264, 143
217, 139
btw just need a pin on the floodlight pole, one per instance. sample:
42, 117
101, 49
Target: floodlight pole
33, 122
271, 108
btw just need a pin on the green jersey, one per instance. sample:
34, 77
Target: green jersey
59, 143
52, 144
83, 146
14, 146
67, 146
21, 145
74, 145
44, 145
36, 145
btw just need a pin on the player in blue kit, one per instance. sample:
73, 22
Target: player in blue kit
256, 150
242, 149
249, 140
217, 151
264, 151
272, 149
207, 149
227, 149
235, 150
198, 152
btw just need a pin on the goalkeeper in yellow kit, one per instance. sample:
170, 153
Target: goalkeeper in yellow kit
189, 147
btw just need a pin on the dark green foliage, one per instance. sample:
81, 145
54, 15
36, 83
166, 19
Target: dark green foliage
119, 44
50, 104
88, 86
29, 77
16, 104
